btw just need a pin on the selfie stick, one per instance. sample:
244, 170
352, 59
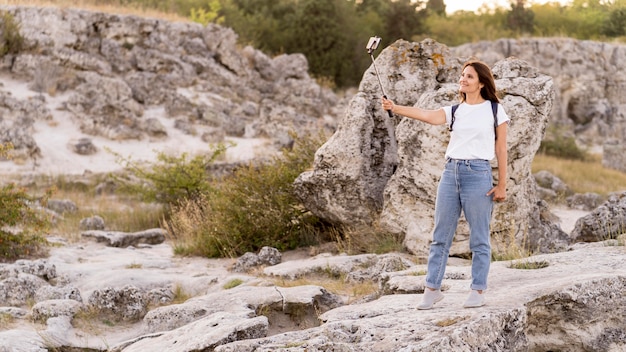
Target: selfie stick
371, 46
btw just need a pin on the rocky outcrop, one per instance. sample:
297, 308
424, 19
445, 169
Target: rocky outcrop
380, 170
127, 77
125, 239
608, 221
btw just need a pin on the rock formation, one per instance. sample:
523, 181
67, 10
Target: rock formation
127, 77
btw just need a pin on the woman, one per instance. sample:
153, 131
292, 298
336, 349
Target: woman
466, 183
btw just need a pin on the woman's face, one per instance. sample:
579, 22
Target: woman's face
469, 83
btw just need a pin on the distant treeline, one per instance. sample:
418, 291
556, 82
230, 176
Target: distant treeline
333, 33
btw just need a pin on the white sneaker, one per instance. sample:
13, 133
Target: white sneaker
475, 300
430, 298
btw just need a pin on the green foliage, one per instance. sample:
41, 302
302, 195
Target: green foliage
21, 225
11, 41
520, 19
615, 26
171, 179
404, 19
232, 284
436, 7
328, 50
206, 16
562, 147
255, 207
446, 30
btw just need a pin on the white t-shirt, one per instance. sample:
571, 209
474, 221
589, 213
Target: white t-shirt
473, 136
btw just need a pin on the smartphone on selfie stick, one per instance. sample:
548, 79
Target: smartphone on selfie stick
372, 44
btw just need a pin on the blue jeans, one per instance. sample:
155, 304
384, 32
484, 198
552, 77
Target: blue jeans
463, 187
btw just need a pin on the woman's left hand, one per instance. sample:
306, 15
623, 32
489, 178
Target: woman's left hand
499, 193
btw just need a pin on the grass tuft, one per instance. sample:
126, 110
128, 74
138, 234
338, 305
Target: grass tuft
232, 284
529, 264
366, 239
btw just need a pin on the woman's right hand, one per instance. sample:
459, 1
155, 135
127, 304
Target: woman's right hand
387, 104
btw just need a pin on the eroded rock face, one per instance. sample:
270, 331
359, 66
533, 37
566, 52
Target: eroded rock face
578, 319
111, 72
607, 221
127, 303
355, 179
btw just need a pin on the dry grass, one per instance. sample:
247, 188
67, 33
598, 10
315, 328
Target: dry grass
120, 213
336, 285
582, 176
366, 239
111, 7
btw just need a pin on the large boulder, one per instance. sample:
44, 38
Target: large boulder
376, 169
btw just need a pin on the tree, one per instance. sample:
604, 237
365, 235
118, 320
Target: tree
405, 20
615, 26
321, 31
436, 7
520, 19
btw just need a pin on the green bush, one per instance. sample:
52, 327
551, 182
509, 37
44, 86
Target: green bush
11, 41
21, 225
254, 207
171, 179
563, 147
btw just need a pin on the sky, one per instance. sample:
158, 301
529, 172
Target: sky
473, 5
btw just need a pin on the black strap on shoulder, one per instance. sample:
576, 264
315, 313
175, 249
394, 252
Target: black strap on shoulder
494, 109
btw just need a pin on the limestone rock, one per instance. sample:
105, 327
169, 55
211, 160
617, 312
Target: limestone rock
62, 206
121, 304
607, 221
95, 222
266, 256
614, 154
202, 335
125, 239
44, 310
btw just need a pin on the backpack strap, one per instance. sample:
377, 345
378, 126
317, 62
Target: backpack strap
454, 107
494, 109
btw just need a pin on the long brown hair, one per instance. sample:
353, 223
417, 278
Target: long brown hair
488, 91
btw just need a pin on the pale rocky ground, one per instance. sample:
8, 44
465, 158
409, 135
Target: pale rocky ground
57, 159
91, 265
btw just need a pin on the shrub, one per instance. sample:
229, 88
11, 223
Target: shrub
21, 225
562, 147
171, 180
11, 41
254, 207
